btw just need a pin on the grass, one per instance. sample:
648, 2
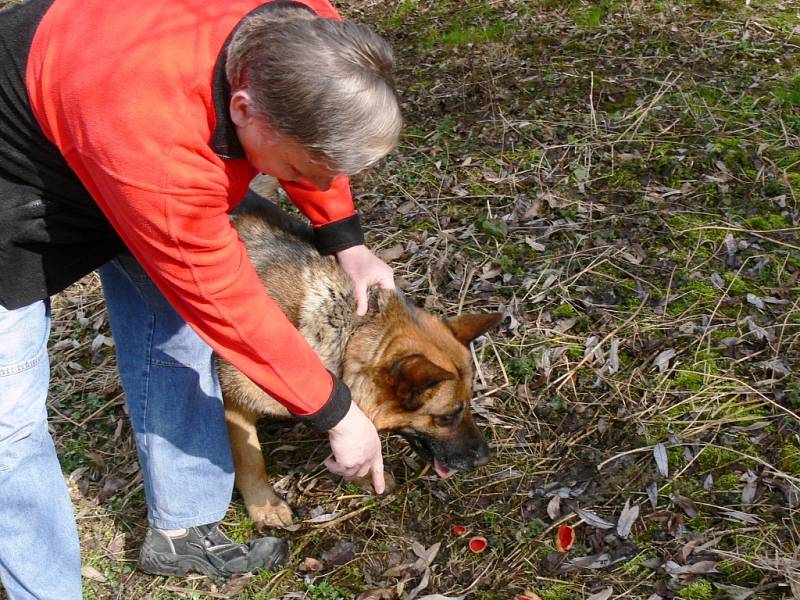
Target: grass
621, 179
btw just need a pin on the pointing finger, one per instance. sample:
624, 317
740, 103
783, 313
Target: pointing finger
378, 480
361, 300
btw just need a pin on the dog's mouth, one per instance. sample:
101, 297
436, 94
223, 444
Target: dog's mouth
441, 469
425, 449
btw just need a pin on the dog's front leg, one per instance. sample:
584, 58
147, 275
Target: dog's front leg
263, 505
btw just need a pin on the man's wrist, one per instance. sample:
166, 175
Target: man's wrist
334, 409
339, 235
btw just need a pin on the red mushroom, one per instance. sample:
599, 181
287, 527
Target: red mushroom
478, 544
565, 538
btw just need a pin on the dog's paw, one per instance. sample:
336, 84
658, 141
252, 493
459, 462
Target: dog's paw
273, 515
267, 509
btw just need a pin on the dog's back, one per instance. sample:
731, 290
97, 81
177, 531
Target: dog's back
302, 282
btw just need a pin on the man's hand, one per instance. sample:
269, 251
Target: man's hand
365, 269
356, 449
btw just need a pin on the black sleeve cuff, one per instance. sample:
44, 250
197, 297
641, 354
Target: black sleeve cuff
333, 410
339, 235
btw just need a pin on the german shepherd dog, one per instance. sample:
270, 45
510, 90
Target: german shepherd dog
408, 371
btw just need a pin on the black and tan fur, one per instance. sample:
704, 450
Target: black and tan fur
409, 371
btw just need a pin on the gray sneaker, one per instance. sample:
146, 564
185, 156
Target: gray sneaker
205, 549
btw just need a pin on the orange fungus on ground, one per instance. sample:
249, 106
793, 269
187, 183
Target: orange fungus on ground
565, 538
478, 544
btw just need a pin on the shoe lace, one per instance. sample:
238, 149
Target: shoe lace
218, 547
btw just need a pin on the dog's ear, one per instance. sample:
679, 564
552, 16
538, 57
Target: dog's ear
467, 327
412, 375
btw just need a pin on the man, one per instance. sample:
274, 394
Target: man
128, 131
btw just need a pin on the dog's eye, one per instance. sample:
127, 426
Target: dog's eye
448, 420
445, 421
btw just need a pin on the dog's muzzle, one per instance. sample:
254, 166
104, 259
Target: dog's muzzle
452, 453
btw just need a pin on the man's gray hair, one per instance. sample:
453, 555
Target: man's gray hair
326, 84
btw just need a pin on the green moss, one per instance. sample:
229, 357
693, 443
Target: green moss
521, 367
644, 536
702, 291
509, 265
734, 284
489, 595
558, 592
713, 457
590, 17
728, 482
732, 152
793, 389
697, 295
687, 221
774, 187
786, 157
491, 519
699, 522
634, 567
710, 94
461, 36
425, 225
790, 459
574, 353
702, 589
478, 24
767, 222
623, 180
794, 182
675, 458
725, 332
688, 380
564, 311
695, 376
325, 591
240, 526
788, 92
399, 18
739, 573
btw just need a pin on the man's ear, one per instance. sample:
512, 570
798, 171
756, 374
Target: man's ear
241, 108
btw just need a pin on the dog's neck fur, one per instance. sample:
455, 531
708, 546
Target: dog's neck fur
329, 321
327, 315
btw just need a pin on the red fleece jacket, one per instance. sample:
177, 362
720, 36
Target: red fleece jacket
124, 90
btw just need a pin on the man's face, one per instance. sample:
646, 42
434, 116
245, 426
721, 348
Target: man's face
272, 153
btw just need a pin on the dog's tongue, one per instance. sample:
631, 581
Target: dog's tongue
441, 470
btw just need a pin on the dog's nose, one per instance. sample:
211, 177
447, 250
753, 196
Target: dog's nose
482, 455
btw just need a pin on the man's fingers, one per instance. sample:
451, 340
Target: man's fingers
376, 470
378, 480
338, 469
361, 300
331, 465
387, 283
342, 471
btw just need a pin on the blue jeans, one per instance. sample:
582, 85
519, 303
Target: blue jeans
174, 402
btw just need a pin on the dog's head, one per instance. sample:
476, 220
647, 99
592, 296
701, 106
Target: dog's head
415, 378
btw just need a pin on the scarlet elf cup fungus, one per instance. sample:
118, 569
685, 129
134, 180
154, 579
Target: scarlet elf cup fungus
565, 538
478, 544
